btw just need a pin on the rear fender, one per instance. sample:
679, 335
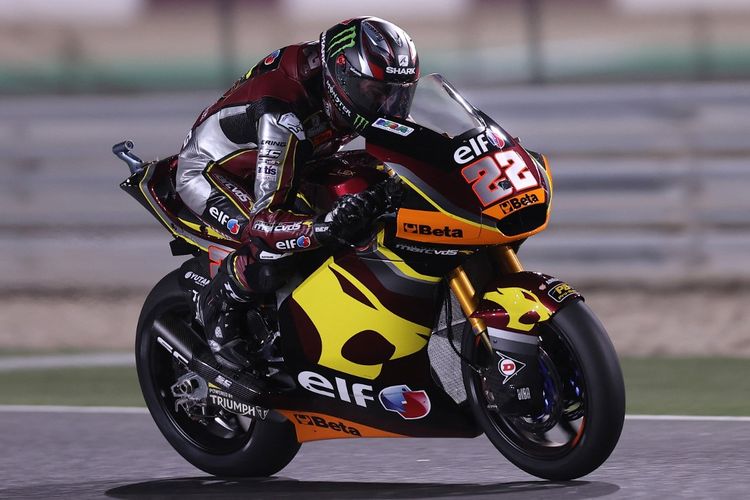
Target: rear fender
517, 302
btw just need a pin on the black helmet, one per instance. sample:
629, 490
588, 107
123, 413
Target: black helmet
370, 69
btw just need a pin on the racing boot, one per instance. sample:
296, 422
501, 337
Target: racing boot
222, 310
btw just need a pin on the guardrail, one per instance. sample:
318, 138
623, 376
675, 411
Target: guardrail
650, 183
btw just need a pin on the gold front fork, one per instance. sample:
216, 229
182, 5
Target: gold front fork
466, 295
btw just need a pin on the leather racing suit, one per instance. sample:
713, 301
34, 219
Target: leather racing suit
261, 131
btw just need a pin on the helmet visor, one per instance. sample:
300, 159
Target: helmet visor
378, 97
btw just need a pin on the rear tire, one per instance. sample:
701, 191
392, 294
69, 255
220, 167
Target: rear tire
585, 393
257, 448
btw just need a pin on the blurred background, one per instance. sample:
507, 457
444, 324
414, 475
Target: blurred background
642, 106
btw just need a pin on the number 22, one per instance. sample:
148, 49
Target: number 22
487, 174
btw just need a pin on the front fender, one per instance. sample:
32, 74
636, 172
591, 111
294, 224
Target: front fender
517, 302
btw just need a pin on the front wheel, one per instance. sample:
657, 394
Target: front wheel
223, 444
584, 399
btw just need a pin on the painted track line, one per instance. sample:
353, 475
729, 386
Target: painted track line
140, 410
19, 363
117, 410
688, 418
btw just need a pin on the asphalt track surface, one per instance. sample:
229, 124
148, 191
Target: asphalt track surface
54, 454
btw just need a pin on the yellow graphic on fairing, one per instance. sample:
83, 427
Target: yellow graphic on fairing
338, 317
518, 303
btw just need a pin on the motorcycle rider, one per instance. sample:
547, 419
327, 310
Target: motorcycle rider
300, 102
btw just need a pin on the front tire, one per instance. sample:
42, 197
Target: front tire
252, 448
584, 400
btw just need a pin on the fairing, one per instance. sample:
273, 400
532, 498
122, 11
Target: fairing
469, 187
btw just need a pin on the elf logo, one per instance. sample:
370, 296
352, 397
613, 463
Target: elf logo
318, 384
317, 421
301, 242
225, 220
445, 232
478, 145
219, 215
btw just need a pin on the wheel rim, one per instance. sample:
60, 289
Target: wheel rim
558, 429
164, 370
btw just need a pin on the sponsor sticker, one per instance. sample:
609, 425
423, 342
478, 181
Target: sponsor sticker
508, 366
233, 225
337, 100
393, 70
561, 291
319, 384
236, 191
292, 123
270, 58
266, 170
318, 421
445, 232
262, 226
301, 242
393, 127
360, 122
427, 250
478, 145
411, 405
197, 278
512, 204
287, 226
225, 220
227, 401
340, 42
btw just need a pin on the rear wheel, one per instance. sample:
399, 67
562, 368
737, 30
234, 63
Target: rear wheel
584, 399
222, 443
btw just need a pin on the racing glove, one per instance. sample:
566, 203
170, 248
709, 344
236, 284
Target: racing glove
350, 218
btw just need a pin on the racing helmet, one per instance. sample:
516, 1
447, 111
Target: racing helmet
370, 69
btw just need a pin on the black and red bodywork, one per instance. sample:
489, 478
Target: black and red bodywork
385, 297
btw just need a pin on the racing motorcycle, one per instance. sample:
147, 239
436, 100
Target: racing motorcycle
429, 327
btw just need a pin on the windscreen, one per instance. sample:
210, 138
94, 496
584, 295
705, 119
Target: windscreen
439, 107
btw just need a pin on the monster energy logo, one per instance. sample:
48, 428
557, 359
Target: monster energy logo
360, 123
342, 41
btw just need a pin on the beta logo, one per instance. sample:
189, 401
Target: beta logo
411, 405
315, 420
318, 384
513, 204
301, 242
508, 366
393, 127
445, 232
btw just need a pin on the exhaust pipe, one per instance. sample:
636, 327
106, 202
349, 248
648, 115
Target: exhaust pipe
176, 337
182, 342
